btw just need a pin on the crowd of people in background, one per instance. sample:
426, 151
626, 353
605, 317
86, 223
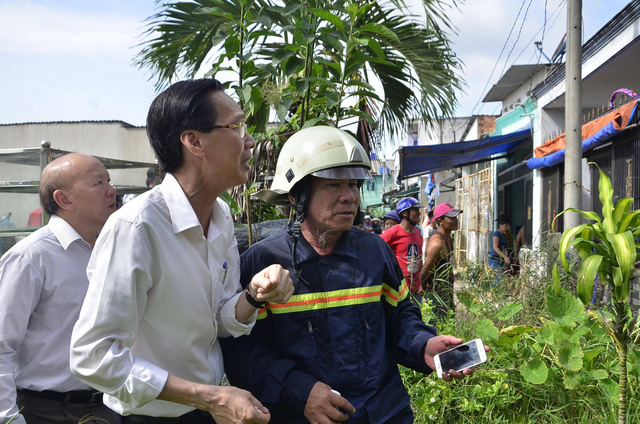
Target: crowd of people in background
425, 252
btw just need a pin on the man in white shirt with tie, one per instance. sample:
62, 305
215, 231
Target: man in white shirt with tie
42, 286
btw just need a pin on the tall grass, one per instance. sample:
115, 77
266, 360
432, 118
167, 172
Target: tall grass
498, 392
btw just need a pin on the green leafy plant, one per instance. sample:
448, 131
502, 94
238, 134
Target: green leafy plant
306, 57
377, 212
310, 62
608, 252
550, 360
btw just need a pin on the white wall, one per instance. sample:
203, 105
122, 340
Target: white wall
445, 131
552, 118
519, 95
114, 140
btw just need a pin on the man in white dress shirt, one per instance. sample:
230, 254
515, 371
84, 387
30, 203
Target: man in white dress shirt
165, 274
42, 285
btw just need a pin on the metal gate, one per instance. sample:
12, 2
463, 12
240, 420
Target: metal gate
474, 195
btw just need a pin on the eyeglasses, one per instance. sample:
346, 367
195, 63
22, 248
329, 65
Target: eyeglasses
241, 127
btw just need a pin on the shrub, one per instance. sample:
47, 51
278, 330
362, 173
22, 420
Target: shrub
550, 362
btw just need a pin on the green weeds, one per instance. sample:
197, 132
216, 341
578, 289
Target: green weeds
550, 361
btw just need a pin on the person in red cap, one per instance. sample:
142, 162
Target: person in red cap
436, 275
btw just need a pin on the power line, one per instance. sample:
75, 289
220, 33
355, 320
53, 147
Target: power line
554, 15
544, 25
498, 60
552, 18
524, 19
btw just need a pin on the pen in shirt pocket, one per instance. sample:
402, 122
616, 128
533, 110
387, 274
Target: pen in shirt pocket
225, 268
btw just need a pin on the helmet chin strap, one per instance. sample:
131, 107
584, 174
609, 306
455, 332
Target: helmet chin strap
301, 198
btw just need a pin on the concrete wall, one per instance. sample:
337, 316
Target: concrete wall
448, 131
444, 131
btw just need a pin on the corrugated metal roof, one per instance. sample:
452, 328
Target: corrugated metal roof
511, 80
106, 121
31, 156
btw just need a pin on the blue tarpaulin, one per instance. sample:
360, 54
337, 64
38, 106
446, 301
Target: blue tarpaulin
604, 134
419, 160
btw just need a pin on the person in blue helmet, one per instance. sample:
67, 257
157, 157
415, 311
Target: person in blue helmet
390, 219
406, 242
330, 354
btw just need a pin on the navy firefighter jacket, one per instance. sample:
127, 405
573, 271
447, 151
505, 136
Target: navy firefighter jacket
348, 325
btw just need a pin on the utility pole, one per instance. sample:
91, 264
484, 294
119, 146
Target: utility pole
572, 115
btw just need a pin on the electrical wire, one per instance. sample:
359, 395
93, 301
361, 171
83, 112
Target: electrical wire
553, 17
506, 62
544, 26
553, 22
498, 60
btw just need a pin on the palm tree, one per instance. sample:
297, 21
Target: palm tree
312, 61
184, 34
316, 53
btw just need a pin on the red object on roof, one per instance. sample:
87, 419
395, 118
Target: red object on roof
35, 218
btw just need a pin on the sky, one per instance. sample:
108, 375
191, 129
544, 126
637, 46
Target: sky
73, 60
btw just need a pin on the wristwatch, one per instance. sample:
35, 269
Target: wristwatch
251, 300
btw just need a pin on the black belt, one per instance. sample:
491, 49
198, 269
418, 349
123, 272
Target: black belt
186, 418
91, 397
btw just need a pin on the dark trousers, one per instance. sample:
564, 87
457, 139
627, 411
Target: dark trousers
404, 416
38, 410
193, 417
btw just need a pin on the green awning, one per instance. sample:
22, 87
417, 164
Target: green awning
390, 196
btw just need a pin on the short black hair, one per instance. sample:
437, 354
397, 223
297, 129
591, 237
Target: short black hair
430, 214
184, 105
503, 219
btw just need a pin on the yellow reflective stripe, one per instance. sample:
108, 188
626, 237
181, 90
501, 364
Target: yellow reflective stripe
262, 313
337, 298
325, 300
392, 296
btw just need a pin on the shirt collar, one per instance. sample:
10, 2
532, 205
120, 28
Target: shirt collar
347, 244
182, 214
183, 217
63, 231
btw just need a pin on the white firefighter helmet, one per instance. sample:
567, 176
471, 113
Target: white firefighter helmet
324, 152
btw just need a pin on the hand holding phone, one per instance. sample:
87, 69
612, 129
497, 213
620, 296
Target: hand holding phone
460, 357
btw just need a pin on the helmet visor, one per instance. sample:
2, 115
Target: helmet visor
344, 173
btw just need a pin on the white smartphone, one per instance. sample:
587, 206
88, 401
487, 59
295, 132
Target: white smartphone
461, 357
